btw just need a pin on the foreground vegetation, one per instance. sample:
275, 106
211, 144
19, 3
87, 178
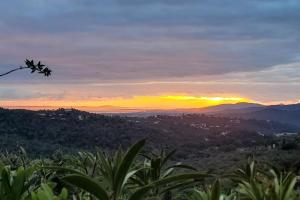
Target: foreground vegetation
135, 175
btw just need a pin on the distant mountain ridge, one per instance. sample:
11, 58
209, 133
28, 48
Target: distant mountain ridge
286, 107
237, 106
289, 114
282, 113
250, 106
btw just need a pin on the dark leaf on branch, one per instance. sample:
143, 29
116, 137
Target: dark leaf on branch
38, 67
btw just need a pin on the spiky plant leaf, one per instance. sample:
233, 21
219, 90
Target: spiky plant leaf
88, 184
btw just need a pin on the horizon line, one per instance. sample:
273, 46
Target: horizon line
132, 109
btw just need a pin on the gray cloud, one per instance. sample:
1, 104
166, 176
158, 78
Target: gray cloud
24, 93
112, 40
70, 15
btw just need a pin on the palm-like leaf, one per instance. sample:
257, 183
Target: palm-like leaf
257, 186
88, 184
115, 174
213, 193
283, 185
14, 185
157, 168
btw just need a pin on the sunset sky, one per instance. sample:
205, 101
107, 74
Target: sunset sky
150, 53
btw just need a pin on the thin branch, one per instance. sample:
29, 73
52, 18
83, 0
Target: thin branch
20, 68
37, 67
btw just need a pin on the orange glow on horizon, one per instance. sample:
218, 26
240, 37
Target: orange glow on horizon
136, 102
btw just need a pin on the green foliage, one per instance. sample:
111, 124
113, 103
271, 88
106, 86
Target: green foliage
15, 185
115, 173
213, 193
283, 185
119, 176
45, 192
156, 168
276, 185
130, 175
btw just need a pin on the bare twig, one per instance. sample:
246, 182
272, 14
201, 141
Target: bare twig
20, 68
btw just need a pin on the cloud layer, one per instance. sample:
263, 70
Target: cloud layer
132, 41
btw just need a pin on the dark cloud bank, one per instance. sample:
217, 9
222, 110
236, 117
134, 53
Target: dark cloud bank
146, 40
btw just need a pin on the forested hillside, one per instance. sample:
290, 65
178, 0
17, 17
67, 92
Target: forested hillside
42, 132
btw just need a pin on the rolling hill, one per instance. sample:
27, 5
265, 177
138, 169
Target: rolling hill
289, 114
42, 132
